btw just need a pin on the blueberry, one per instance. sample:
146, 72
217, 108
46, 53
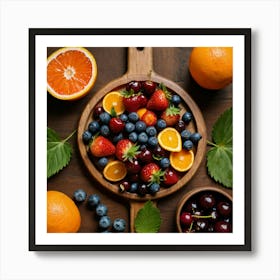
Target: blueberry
94, 127
105, 118
124, 117
133, 187
133, 137
142, 138
154, 188
188, 145
101, 210
153, 141
79, 195
105, 130
105, 222
87, 136
119, 225
187, 117
186, 134
195, 137
176, 99
164, 163
118, 137
129, 127
151, 131
102, 162
161, 124
93, 200
133, 117
140, 126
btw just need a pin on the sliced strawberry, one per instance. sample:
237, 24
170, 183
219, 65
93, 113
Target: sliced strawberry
151, 173
102, 147
171, 115
171, 177
149, 118
126, 150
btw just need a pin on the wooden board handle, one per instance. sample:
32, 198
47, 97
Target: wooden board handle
140, 61
135, 206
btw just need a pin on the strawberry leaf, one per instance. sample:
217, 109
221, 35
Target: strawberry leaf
219, 157
148, 219
59, 152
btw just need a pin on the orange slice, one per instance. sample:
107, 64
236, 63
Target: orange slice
141, 112
170, 139
71, 73
115, 171
182, 161
114, 100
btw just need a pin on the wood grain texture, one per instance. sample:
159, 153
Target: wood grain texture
64, 117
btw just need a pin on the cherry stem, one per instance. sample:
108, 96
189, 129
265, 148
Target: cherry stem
202, 217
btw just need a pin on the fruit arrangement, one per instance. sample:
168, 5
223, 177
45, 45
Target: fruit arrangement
141, 138
206, 211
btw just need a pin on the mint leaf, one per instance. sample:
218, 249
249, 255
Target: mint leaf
219, 157
148, 219
59, 152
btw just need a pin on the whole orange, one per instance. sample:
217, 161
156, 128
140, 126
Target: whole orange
211, 67
62, 213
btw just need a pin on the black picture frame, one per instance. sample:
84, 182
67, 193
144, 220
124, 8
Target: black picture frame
245, 32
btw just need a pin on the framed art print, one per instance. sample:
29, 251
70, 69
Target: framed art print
141, 133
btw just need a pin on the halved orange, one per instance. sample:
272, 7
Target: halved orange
114, 100
71, 73
115, 171
170, 139
182, 161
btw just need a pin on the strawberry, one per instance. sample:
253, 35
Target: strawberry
159, 100
102, 147
116, 125
151, 173
132, 102
171, 115
126, 150
171, 177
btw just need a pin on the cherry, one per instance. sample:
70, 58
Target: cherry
134, 178
124, 186
191, 206
149, 87
142, 189
201, 225
207, 201
222, 226
134, 85
224, 208
97, 111
180, 126
145, 156
133, 166
159, 152
186, 218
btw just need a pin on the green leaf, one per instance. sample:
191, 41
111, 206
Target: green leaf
219, 157
148, 219
59, 152
219, 164
222, 129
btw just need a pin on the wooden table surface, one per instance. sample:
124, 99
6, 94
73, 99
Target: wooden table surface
64, 116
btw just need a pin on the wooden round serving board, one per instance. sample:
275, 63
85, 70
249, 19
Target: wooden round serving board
140, 68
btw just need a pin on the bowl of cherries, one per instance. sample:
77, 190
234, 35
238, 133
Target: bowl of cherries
205, 209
